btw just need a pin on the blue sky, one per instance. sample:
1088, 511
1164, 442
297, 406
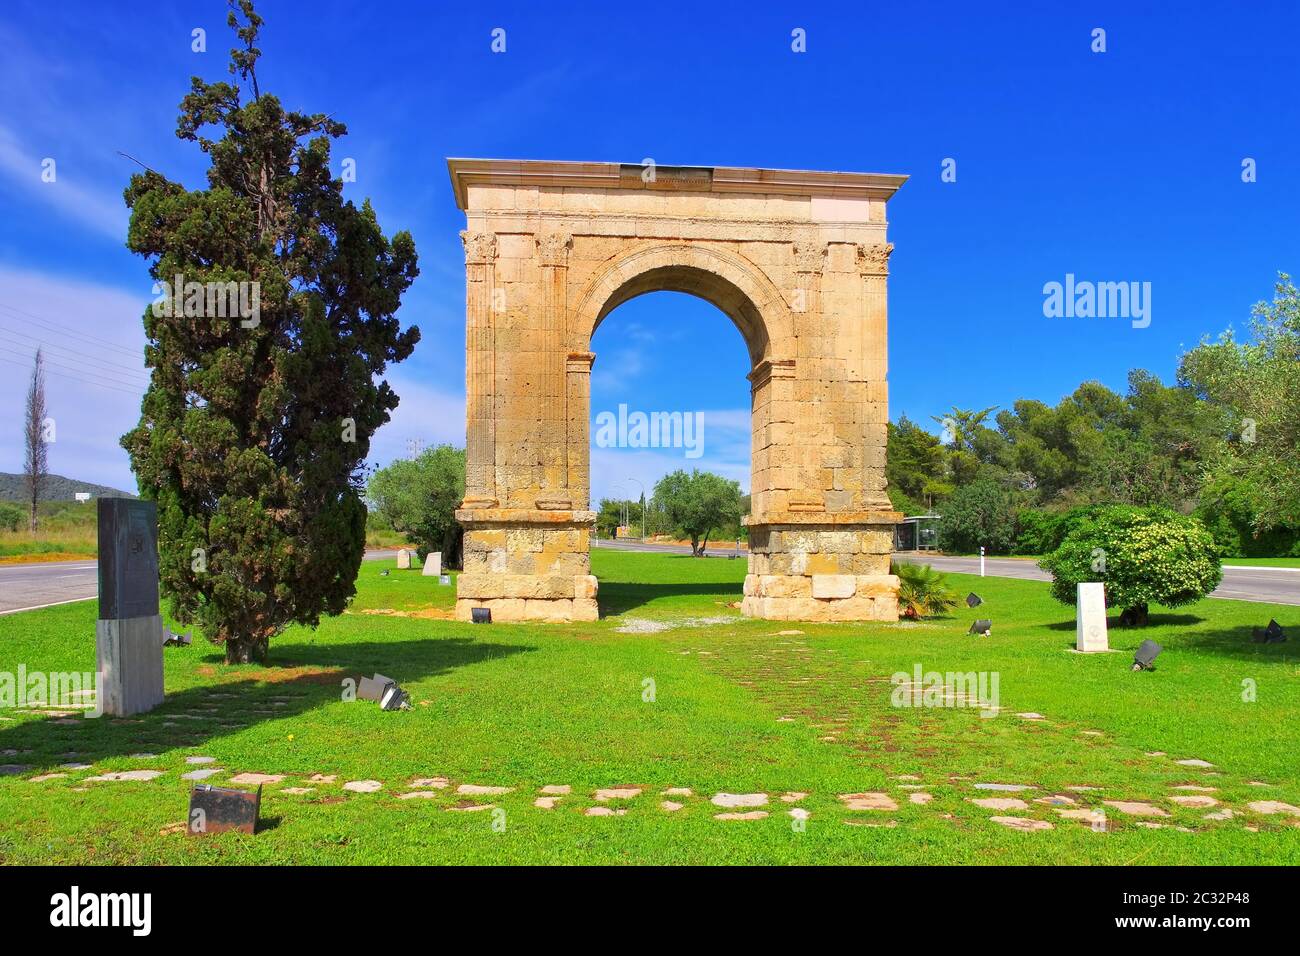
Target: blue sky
1115, 166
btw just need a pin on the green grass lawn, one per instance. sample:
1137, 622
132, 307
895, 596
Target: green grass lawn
1265, 562
737, 707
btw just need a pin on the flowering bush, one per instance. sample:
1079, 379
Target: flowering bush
1141, 555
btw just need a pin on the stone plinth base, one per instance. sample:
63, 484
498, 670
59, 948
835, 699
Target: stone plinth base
809, 567
527, 565
129, 654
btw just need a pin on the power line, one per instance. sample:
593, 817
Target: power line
53, 326
112, 388
74, 365
105, 381
113, 367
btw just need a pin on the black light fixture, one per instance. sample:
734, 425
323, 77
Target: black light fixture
481, 615
1144, 659
973, 600
982, 627
1273, 634
395, 698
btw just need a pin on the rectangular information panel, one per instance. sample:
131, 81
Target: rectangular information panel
128, 558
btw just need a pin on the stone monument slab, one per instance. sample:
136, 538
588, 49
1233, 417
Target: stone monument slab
129, 632
1090, 626
432, 565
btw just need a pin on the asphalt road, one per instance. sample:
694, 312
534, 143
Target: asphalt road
1240, 583
27, 587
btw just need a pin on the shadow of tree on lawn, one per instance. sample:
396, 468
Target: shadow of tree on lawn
619, 597
302, 677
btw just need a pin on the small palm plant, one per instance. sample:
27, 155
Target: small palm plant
922, 591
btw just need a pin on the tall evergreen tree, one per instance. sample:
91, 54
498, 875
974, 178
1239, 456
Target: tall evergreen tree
255, 426
35, 453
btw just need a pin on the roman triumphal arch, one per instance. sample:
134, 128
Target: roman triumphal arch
797, 260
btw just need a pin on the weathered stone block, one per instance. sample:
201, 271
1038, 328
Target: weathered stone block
833, 586
549, 610
784, 585
824, 564
524, 539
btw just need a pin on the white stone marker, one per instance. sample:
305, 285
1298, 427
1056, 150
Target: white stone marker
403, 559
1090, 625
432, 564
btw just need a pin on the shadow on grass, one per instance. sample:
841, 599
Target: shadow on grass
1154, 621
1238, 642
619, 597
1235, 641
302, 677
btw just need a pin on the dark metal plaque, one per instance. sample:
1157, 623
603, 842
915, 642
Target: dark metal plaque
128, 558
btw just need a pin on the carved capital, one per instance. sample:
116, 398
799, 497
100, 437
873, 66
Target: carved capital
480, 247
809, 256
553, 248
873, 260
580, 362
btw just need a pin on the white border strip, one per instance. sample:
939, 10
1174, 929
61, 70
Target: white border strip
37, 607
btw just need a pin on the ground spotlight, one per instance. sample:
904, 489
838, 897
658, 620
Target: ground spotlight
1144, 659
982, 627
481, 615
395, 698
1273, 634
973, 600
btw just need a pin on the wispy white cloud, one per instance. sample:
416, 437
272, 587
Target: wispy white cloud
92, 340
726, 451
97, 209
616, 370
429, 415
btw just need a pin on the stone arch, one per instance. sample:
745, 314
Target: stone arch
798, 260
727, 280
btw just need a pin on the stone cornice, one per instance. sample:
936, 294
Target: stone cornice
769, 369
716, 179
829, 519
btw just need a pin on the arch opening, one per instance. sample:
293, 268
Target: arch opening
668, 394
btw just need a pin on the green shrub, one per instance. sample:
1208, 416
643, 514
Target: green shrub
12, 517
1227, 510
1041, 532
1142, 555
981, 513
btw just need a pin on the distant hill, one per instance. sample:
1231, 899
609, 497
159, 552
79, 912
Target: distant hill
57, 488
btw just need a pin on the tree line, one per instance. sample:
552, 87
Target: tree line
1221, 444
